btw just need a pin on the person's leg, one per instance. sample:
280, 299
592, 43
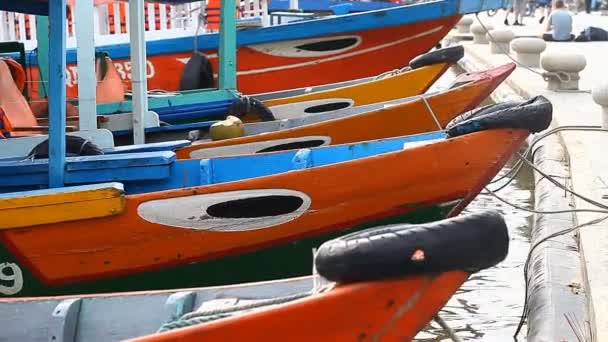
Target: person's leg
516, 11
588, 6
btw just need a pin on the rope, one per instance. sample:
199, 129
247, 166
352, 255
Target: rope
451, 334
197, 317
428, 106
523, 160
529, 153
392, 72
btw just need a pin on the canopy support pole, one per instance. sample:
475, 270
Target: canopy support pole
293, 5
87, 80
138, 68
42, 41
57, 92
227, 52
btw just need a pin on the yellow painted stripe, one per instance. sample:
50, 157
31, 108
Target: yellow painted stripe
405, 84
62, 212
39, 200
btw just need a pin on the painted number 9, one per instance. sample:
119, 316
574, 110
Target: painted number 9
10, 273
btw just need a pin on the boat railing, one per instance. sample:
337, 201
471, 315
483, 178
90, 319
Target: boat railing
111, 21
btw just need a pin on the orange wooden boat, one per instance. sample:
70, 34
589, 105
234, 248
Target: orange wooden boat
404, 118
232, 223
399, 281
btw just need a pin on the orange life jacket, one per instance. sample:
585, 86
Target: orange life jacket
5, 125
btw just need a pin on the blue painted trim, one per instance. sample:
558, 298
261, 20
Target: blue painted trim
326, 5
159, 171
57, 92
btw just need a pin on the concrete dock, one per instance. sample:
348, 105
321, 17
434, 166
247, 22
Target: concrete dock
585, 151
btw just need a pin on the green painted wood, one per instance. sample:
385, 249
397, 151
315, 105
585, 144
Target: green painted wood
183, 98
42, 36
227, 51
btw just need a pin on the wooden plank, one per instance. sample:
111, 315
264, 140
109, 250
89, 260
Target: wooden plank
63, 212
30, 208
150, 147
64, 321
95, 162
27, 199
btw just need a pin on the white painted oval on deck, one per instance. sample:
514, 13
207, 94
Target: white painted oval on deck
191, 211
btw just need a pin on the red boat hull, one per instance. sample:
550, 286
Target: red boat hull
281, 65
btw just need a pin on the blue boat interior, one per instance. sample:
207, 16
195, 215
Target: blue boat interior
156, 171
169, 128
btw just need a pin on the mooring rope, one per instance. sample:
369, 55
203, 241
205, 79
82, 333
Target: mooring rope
523, 160
197, 317
428, 106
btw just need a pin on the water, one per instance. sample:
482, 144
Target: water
488, 306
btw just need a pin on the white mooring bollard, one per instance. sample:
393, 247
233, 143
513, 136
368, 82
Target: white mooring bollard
563, 69
479, 33
499, 40
464, 25
528, 50
600, 96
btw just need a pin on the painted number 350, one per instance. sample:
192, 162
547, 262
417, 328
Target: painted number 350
11, 279
123, 69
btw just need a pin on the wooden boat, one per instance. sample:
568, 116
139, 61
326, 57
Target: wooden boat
406, 116
416, 79
403, 282
320, 51
62, 246
401, 117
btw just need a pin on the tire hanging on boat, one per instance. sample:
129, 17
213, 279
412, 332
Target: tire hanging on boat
74, 146
250, 105
468, 243
534, 115
197, 74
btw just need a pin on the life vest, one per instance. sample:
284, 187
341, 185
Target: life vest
17, 72
5, 125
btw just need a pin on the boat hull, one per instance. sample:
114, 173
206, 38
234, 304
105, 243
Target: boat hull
334, 198
402, 119
271, 66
